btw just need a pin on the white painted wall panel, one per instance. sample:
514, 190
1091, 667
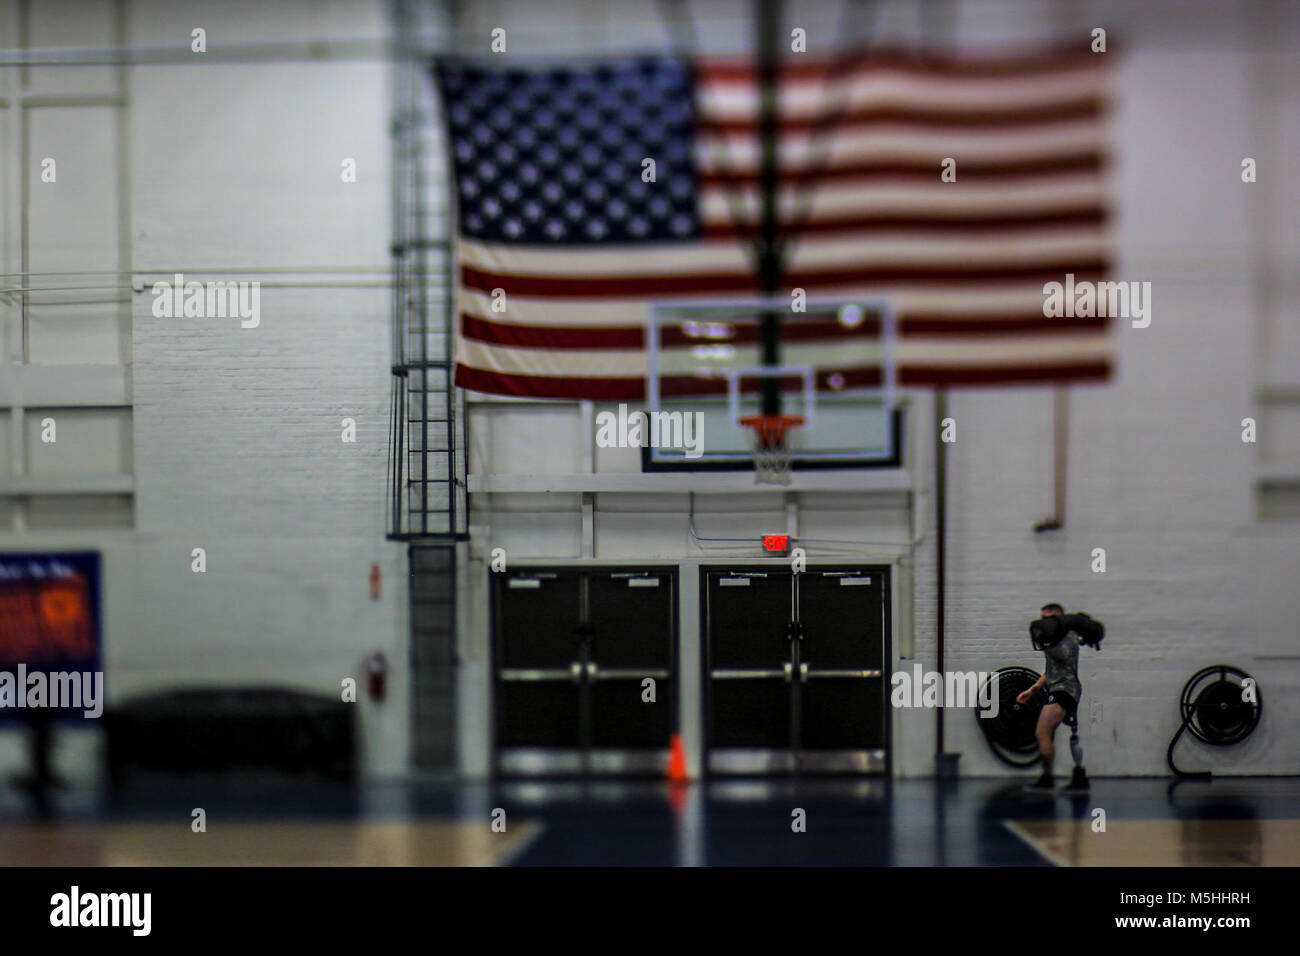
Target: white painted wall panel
61, 26
94, 441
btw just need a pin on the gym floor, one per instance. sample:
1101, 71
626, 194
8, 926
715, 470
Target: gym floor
971, 822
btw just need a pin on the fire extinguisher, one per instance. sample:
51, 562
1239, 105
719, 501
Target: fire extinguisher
377, 667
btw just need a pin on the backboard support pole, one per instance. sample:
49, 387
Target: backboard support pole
940, 537
1060, 449
945, 764
767, 15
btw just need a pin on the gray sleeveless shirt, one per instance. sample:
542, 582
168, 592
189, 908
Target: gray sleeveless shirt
1063, 666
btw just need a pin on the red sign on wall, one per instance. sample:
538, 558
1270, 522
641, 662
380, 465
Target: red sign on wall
776, 542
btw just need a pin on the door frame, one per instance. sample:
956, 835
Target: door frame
887, 657
588, 760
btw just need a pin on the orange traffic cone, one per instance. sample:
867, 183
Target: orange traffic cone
677, 762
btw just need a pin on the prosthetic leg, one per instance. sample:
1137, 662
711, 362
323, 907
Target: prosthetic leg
1079, 780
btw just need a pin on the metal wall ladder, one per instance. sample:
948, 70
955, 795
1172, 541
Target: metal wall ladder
427, 500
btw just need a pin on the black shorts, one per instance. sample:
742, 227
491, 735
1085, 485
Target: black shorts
1065, 700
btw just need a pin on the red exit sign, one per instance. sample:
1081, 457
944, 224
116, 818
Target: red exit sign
776, 542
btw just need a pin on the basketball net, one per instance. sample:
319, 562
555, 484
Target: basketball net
772, 453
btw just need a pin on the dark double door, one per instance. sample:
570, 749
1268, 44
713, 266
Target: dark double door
795, 670
576, 655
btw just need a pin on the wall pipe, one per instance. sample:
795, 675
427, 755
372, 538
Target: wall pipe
941, 528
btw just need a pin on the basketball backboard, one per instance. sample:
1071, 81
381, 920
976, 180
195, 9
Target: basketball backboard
835, 367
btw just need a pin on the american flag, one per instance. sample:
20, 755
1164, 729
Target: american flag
562, 243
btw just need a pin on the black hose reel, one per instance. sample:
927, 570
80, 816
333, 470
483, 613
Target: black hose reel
1012, 733
1217, 710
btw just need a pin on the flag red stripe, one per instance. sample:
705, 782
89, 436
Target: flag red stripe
548, 386
892, 117
569, 287
876, 173
609, 388
551, 336
985, 326
632, 338
1023, 375
944, 222
633, 389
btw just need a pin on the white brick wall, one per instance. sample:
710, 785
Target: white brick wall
238, 445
